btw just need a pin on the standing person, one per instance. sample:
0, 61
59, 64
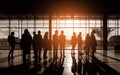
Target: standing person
87, 44
73, 42
25, 43
11, 41
46, 44
80, 43
34, 43
93, 43
39, 44
62, 41
55, 43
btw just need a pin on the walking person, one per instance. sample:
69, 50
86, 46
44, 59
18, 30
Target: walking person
80, 42
34, 44
39, 44
62, 41
87, 44
11, 41
46, 44
25, 43
93, 43
73, 42
55, 44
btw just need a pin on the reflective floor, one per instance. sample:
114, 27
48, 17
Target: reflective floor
104, 63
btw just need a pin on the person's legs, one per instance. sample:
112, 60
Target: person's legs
12, 51
61, 49
64, 50
39, 53
24, 57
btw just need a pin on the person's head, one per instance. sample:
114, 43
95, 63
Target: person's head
46, 33
34, 33
12, 33
93, 31
26, 31
87, 34
80, 33
56, 32
62, 32
74, 33
39, 32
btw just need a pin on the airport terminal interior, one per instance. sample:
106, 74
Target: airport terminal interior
69, 16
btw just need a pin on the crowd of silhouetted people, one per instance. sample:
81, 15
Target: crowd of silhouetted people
37, 42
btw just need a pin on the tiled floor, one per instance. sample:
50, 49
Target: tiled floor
69, 65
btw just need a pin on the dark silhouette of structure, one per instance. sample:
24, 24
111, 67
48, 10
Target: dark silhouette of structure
11, 41
74, 65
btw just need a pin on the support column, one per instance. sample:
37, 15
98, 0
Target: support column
105, 33
50, 31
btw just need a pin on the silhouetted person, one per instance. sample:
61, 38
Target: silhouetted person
46, 44
93, 43
25, 43
80, 43
39, 44
87, 44
73, 42
34, 43
55, 44
11, 41
62, 41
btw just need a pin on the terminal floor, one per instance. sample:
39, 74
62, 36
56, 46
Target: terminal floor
68, 65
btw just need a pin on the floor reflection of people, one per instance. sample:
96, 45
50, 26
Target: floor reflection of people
57, 66
89, 68
79, 64
11, 63
85, 67
74, 65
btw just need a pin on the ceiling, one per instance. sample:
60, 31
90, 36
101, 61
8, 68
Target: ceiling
59, 7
